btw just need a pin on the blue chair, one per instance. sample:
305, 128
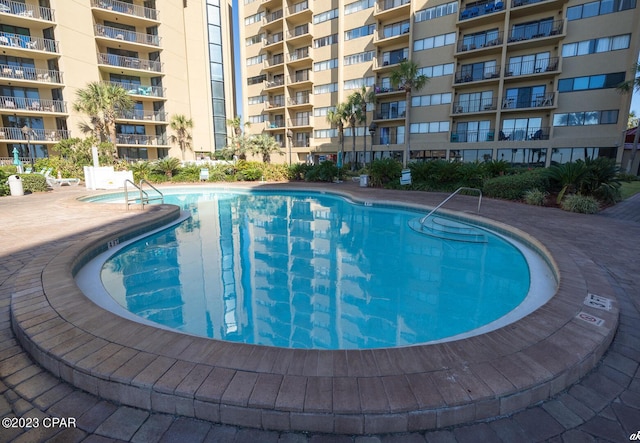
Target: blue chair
498, 6
489, 7
475, 11
465, 14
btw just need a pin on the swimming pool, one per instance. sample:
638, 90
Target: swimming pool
316, 271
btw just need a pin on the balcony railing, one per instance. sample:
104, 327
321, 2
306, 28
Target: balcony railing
32, 104
126, 8
534, 101
528, 134
486, 73
480, 41
302, 30
8, 133
27, 42
129, 62
516, 3
389, 138
22, 72
127, 36
481, 135
27, 10
298, 7
274, 61
137, 139
483, 104
273, 16
300, 121
274, 83
384, 5
299, 54
531, 31
385, 88
274, 104
137, 89
390, 115
299, 77
301, 143
274, 124
300, 100
531, 67
139, 114
275, 38
481, 9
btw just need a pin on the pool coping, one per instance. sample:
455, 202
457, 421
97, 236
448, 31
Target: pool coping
345, 392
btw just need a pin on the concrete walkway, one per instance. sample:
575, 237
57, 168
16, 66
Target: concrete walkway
603, 406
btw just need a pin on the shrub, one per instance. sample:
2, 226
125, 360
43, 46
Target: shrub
626, 177
168, 166
384, 171
276, 172
583, 204
513, 187
33, 182
299, 171
535, 197
324, 172
568, 176
141, 170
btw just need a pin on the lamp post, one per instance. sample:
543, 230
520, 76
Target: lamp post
290, 137
372, 131
28, 132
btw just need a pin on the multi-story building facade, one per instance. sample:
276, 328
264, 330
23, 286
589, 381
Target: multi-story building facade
173, 57
525, 81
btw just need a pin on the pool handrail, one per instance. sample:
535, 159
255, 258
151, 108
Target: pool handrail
144, 196
462, 188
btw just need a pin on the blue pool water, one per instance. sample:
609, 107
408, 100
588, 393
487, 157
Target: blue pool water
313, 271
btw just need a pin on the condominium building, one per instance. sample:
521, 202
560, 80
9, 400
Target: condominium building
173, 57
526, 81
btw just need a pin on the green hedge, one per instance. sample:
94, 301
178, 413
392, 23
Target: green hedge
33, 182
513, 187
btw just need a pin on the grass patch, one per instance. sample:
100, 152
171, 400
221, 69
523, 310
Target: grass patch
629, 189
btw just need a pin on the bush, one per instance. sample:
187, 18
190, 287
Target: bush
580, 203
626, 177
384, 171
299, 171
513, 187
324, 172
535, 197
33, 182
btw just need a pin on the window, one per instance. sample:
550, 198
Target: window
477, 71
323, 111
526, 97
528, 64
257, 79
254, 39
325, 41
357, 83
358, 6
437, 70
586, 118
604, 44
480, 40
256, 100
325, 65
393, 57
256, 60
431, 100
471, 132
474, 102
325, 16
361, 57
325, 133
434, 42
395, 29
527, 31
522, 129
599, 8
325, 89
253, 18
362, 31
436, 11
429, 127
257, 118
602, 81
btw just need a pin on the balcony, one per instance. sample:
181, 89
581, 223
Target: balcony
300, 121
473, 136
475, 75
300, 78
524, 134
473, 106
524, 7
274, 62
387, 89
129, 62
30, 74
21, 42
533, 67
32, 104
275, 39
533, 32
273, 19
50, 135
546, 100
392, 9
300, 57
141, 90
391, 115
299, 12
139, 139
126, 8
301, 143
139, 114
274, 125
394, 34
480, 10
388, 136
24, 10
274, 104
299, 34
127, 36
485, 43
300, 100
275, 83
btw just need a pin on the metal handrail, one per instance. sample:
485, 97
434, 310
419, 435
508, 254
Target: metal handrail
423, 219
144, 196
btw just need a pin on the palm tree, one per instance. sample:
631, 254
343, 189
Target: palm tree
625, 88
408, 77
352, 113
265, 145
181, 126
337, 117
102, 103
238, 140
361, 99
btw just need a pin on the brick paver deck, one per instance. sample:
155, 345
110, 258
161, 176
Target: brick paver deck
45, 232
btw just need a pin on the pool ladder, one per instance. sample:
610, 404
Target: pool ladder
144, 198
423, 219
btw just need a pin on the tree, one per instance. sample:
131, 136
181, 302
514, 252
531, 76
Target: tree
181, 126
361, 99
103, 103
337, 117
239, 144
407, 76
265, 145
626, 88
632, 121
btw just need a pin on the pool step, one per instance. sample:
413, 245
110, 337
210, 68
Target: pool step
448, 230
